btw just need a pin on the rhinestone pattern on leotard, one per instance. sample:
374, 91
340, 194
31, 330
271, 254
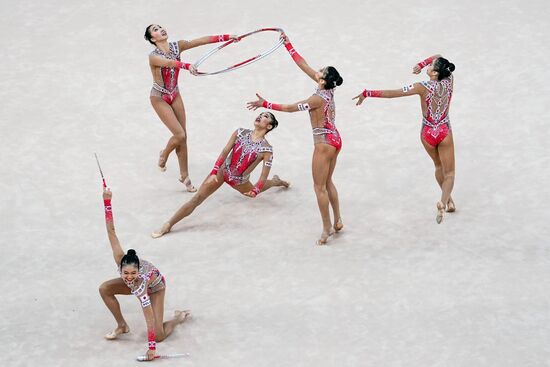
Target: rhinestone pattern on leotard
245, 152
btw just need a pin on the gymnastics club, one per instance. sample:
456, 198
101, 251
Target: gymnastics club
164, 356
100, 171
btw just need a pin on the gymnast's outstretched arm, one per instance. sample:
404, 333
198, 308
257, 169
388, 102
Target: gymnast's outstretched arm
186, 45
311, 103
299, 60
407, 90
118, 253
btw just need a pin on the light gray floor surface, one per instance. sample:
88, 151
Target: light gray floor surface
394, 289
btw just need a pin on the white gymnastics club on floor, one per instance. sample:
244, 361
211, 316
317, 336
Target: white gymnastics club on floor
164, 356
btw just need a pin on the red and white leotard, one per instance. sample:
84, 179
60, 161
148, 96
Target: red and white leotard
147, 272
328, 134
436, 124
244, 157
168, 88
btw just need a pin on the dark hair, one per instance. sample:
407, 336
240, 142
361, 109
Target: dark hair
274, 123
443, 67
130, 259
332, 78
147, 34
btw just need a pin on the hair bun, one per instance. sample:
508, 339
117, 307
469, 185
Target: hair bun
339, 81
451, 67
131, 252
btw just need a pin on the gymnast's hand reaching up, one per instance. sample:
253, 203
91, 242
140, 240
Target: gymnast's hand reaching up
107, 194
254, 105
285, 38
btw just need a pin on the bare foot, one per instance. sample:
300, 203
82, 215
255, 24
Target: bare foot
118, 331
162, 161
451, 208
338, 225
440, 212
181, 316
324, 237
278, 182
188, 185
162, 231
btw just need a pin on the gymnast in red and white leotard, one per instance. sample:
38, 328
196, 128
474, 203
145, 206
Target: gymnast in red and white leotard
244, 151
326, 138
165, 63
436, 136
141, 279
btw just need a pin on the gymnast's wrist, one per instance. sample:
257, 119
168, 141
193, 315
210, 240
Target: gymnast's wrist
151, 340
182, 65
217, 166
107, 205
108, 210
425, 62
271, 106
293, 53
219, 38
258, 188
372, 93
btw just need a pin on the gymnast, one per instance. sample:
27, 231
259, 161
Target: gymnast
165, 64
243, 152
436, 135
326, 138
141, 279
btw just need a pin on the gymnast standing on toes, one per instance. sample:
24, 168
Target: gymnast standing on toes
243, 152
436, 135
326, 139
165, 63
142, 279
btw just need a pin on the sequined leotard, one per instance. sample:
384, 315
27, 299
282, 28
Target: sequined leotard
328, 134
147, 272
436, 124
168, 88
244, 157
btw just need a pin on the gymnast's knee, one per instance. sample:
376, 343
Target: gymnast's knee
449, 175
320, 189
180, 138
104, 290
